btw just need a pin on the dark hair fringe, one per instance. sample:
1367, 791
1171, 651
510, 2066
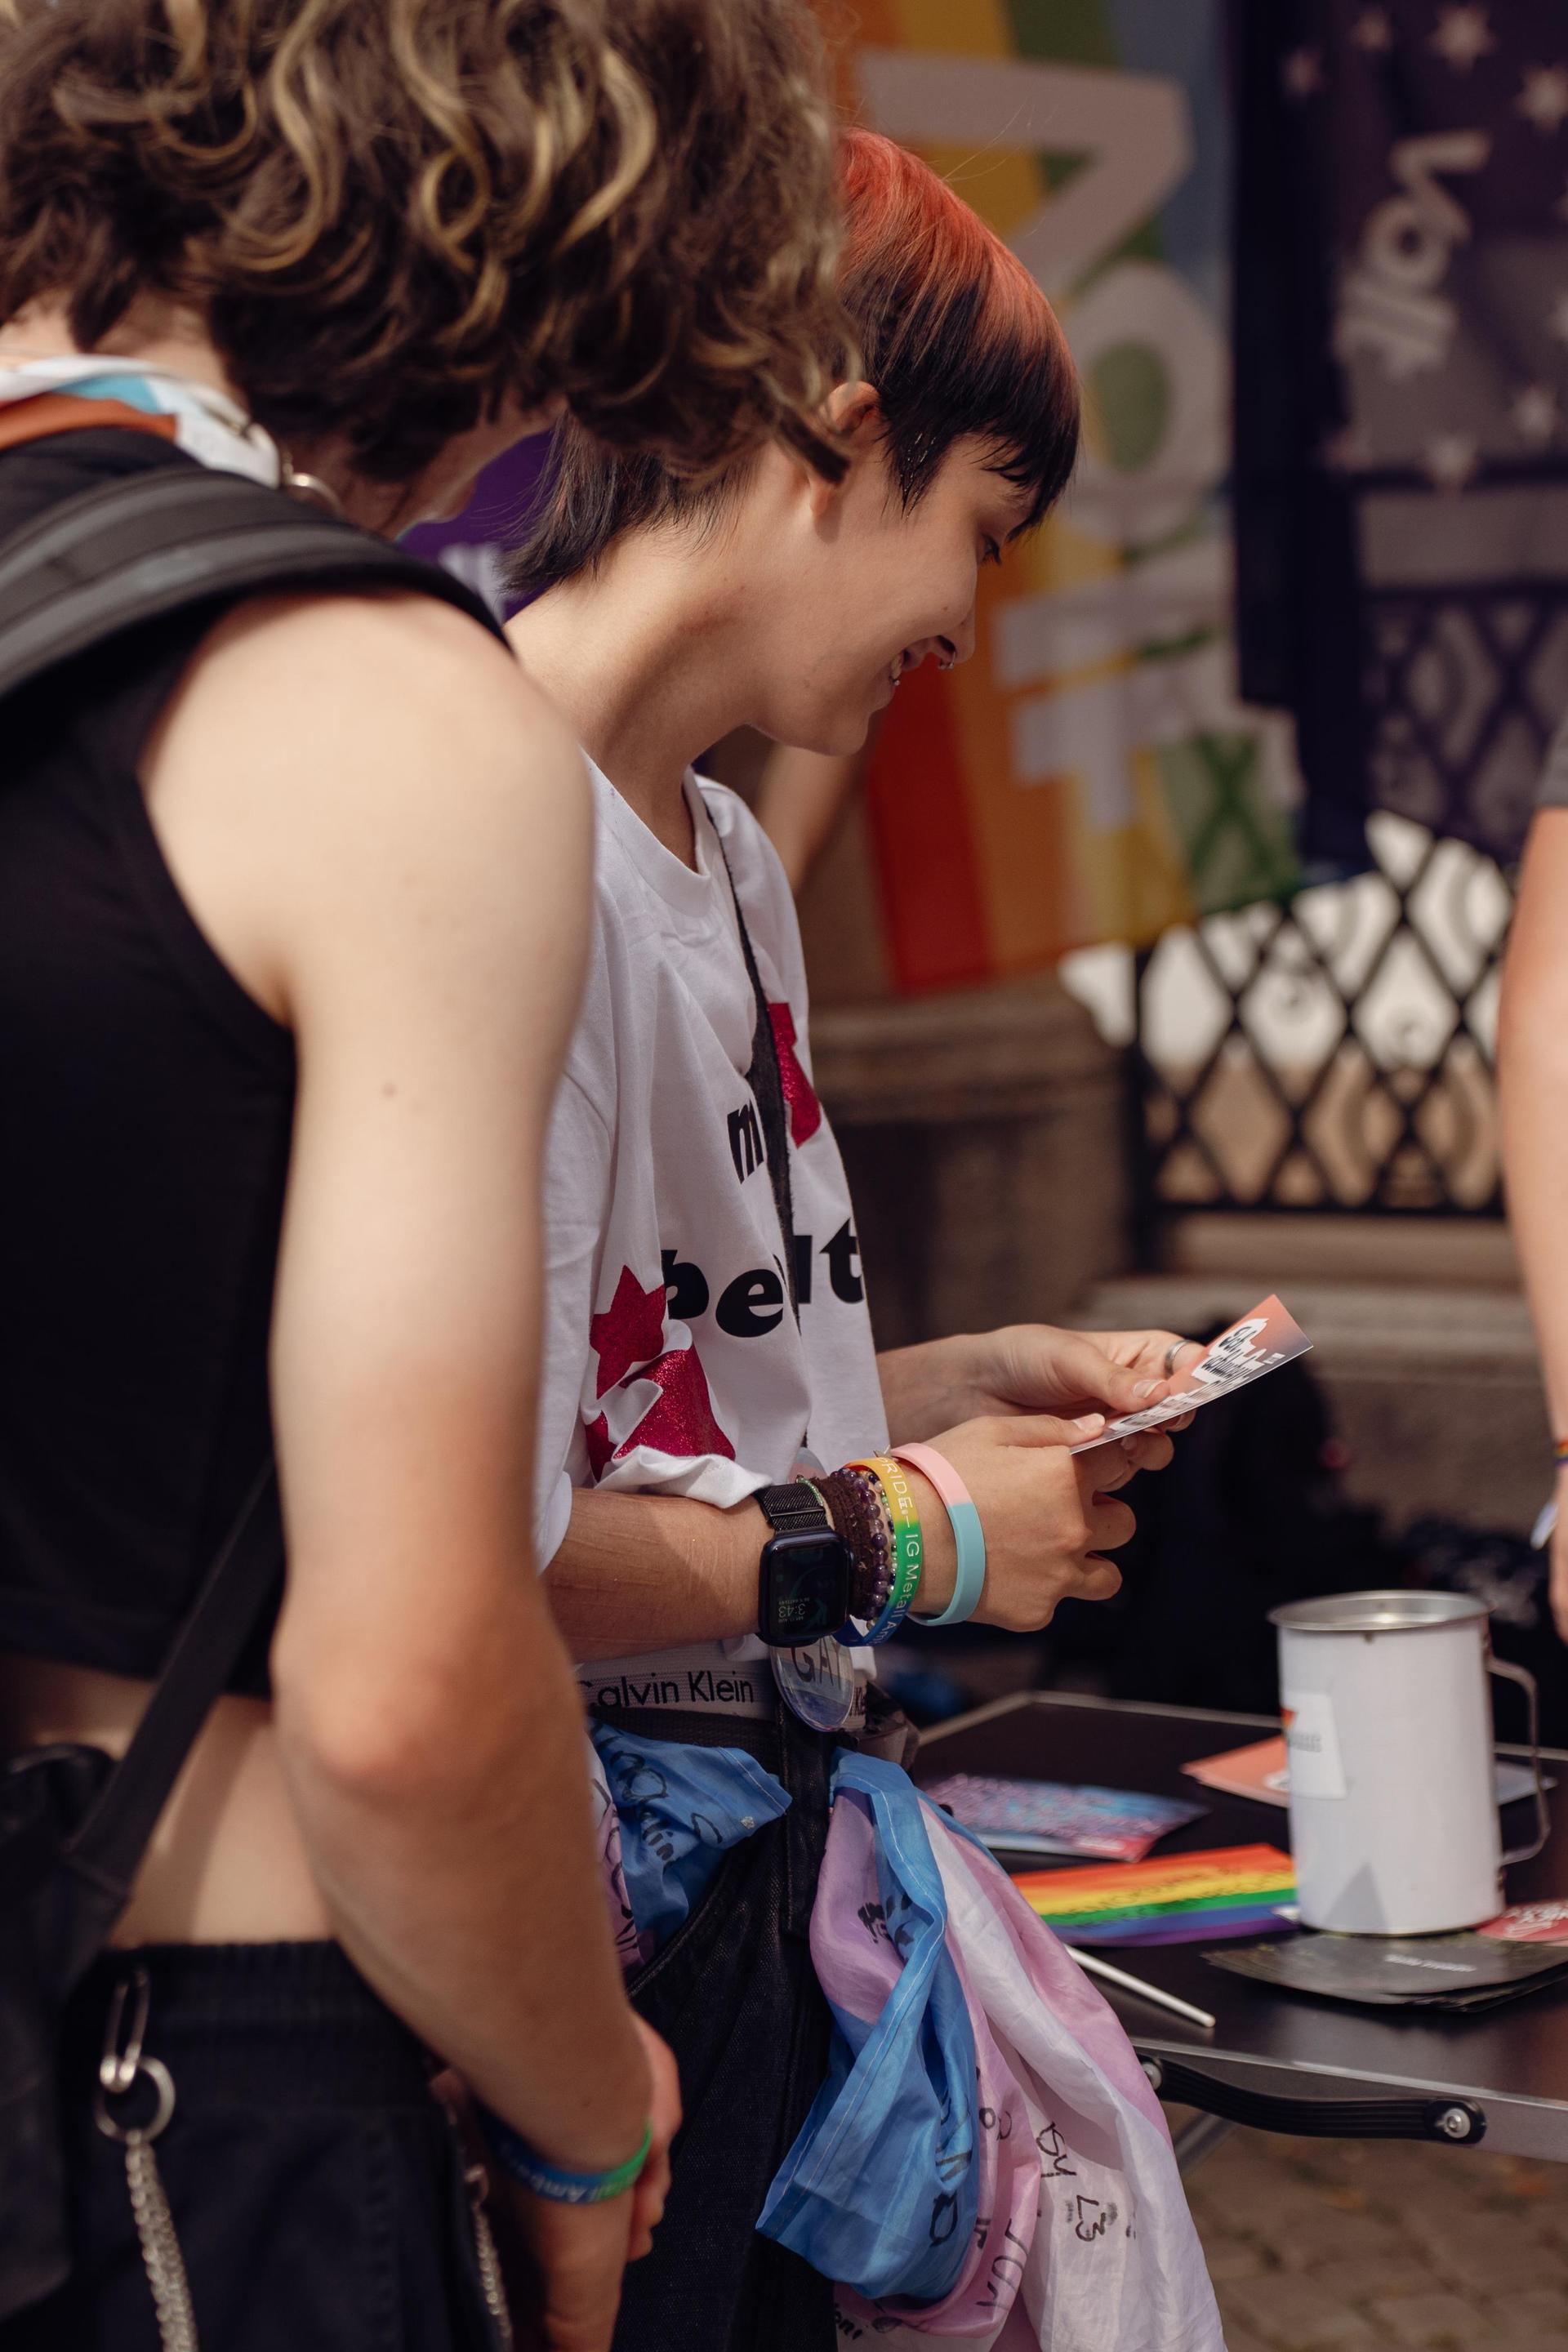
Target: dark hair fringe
944, 373
947, 365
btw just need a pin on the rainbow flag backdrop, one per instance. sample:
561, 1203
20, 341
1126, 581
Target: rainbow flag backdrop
1089, 775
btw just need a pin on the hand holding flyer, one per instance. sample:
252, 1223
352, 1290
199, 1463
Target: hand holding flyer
1263, 1340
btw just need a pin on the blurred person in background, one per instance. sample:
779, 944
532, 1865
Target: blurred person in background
709, 1347
1532, 1085
293, 912
800, 799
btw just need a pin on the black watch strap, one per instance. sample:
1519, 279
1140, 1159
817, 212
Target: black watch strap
793, 1511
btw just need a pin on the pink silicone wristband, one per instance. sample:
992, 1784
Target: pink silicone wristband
968, 1537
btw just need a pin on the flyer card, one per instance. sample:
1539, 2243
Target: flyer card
1260, 1772
1530, 1922
1059, 1817
1262, 1341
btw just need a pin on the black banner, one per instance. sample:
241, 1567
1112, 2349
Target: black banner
1401, 332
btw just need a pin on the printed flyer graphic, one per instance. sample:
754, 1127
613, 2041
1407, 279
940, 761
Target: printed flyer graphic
1530, 1922
1059, 1817
1262, 1341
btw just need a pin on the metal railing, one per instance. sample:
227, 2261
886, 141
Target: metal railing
1333, 1052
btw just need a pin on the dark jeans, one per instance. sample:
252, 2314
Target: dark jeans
734, 1994
316, 2187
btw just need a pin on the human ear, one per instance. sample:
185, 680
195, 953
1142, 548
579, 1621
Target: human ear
851, 411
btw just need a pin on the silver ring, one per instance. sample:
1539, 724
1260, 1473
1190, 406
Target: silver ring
1173, 1351
135, 2135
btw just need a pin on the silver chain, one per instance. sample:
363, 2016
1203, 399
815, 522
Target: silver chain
160, 2254
489, 2261
161, 2257
118, 2073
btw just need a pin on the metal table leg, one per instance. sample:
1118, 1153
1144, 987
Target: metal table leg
1200, 2138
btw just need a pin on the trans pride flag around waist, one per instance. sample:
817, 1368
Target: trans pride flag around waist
1089, 775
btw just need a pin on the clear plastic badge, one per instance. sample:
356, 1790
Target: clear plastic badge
820, 1684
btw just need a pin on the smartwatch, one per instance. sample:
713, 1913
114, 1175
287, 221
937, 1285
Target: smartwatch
803, 1578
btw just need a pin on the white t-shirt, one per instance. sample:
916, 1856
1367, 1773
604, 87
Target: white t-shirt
672, 1361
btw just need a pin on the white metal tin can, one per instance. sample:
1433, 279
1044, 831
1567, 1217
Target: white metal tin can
1393, 1817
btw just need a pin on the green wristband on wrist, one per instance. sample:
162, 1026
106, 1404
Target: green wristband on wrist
908, 1548
533, 2172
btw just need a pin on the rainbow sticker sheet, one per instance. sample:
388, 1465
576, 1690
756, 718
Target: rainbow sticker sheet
1186, 1898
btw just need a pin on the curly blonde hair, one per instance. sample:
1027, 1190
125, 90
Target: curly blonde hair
393, 215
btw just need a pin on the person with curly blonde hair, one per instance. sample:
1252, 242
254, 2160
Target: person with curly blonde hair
293, 917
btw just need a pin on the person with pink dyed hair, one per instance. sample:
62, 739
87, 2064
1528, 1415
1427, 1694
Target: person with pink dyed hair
709, 1345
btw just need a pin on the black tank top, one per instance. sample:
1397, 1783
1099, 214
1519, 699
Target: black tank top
146, 1108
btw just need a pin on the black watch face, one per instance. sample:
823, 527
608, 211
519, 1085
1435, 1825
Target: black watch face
804, 1588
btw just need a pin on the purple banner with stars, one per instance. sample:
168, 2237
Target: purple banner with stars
1401, 332
477, 544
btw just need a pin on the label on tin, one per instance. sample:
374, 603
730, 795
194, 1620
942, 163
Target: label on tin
1312, 1746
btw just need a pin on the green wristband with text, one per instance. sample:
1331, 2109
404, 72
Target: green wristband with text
532, 2171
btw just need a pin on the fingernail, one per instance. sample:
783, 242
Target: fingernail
1130, 1445
1090, 1424
1145, 1388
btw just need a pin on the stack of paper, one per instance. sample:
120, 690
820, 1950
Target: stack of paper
1459, 1972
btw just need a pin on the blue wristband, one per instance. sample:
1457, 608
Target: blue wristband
532, 2171
970, 1582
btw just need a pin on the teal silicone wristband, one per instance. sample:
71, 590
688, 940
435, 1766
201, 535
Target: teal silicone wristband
532, 2171
970, 1580
968, 1535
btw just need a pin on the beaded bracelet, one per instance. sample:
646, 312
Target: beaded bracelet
858, 1510
908, 1552
532, 2171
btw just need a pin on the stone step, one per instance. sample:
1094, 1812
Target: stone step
1476, 1252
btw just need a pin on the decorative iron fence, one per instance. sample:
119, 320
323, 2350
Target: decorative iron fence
1333, 1052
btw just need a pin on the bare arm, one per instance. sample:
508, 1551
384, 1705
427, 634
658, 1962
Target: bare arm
1533, 1074
1025, 1367
639, 1573
398, 866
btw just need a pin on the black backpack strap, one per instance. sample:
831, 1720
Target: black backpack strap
154, 544
243, 1577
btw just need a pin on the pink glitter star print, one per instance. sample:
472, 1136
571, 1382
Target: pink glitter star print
628, 1340
629, 1331
681, 1421
804, 1110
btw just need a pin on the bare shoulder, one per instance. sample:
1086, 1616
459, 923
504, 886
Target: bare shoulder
377, 666
333, 766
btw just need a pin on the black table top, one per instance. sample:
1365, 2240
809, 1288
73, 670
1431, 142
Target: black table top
1511, 2062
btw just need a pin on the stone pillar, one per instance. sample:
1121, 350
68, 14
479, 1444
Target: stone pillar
983, 1137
